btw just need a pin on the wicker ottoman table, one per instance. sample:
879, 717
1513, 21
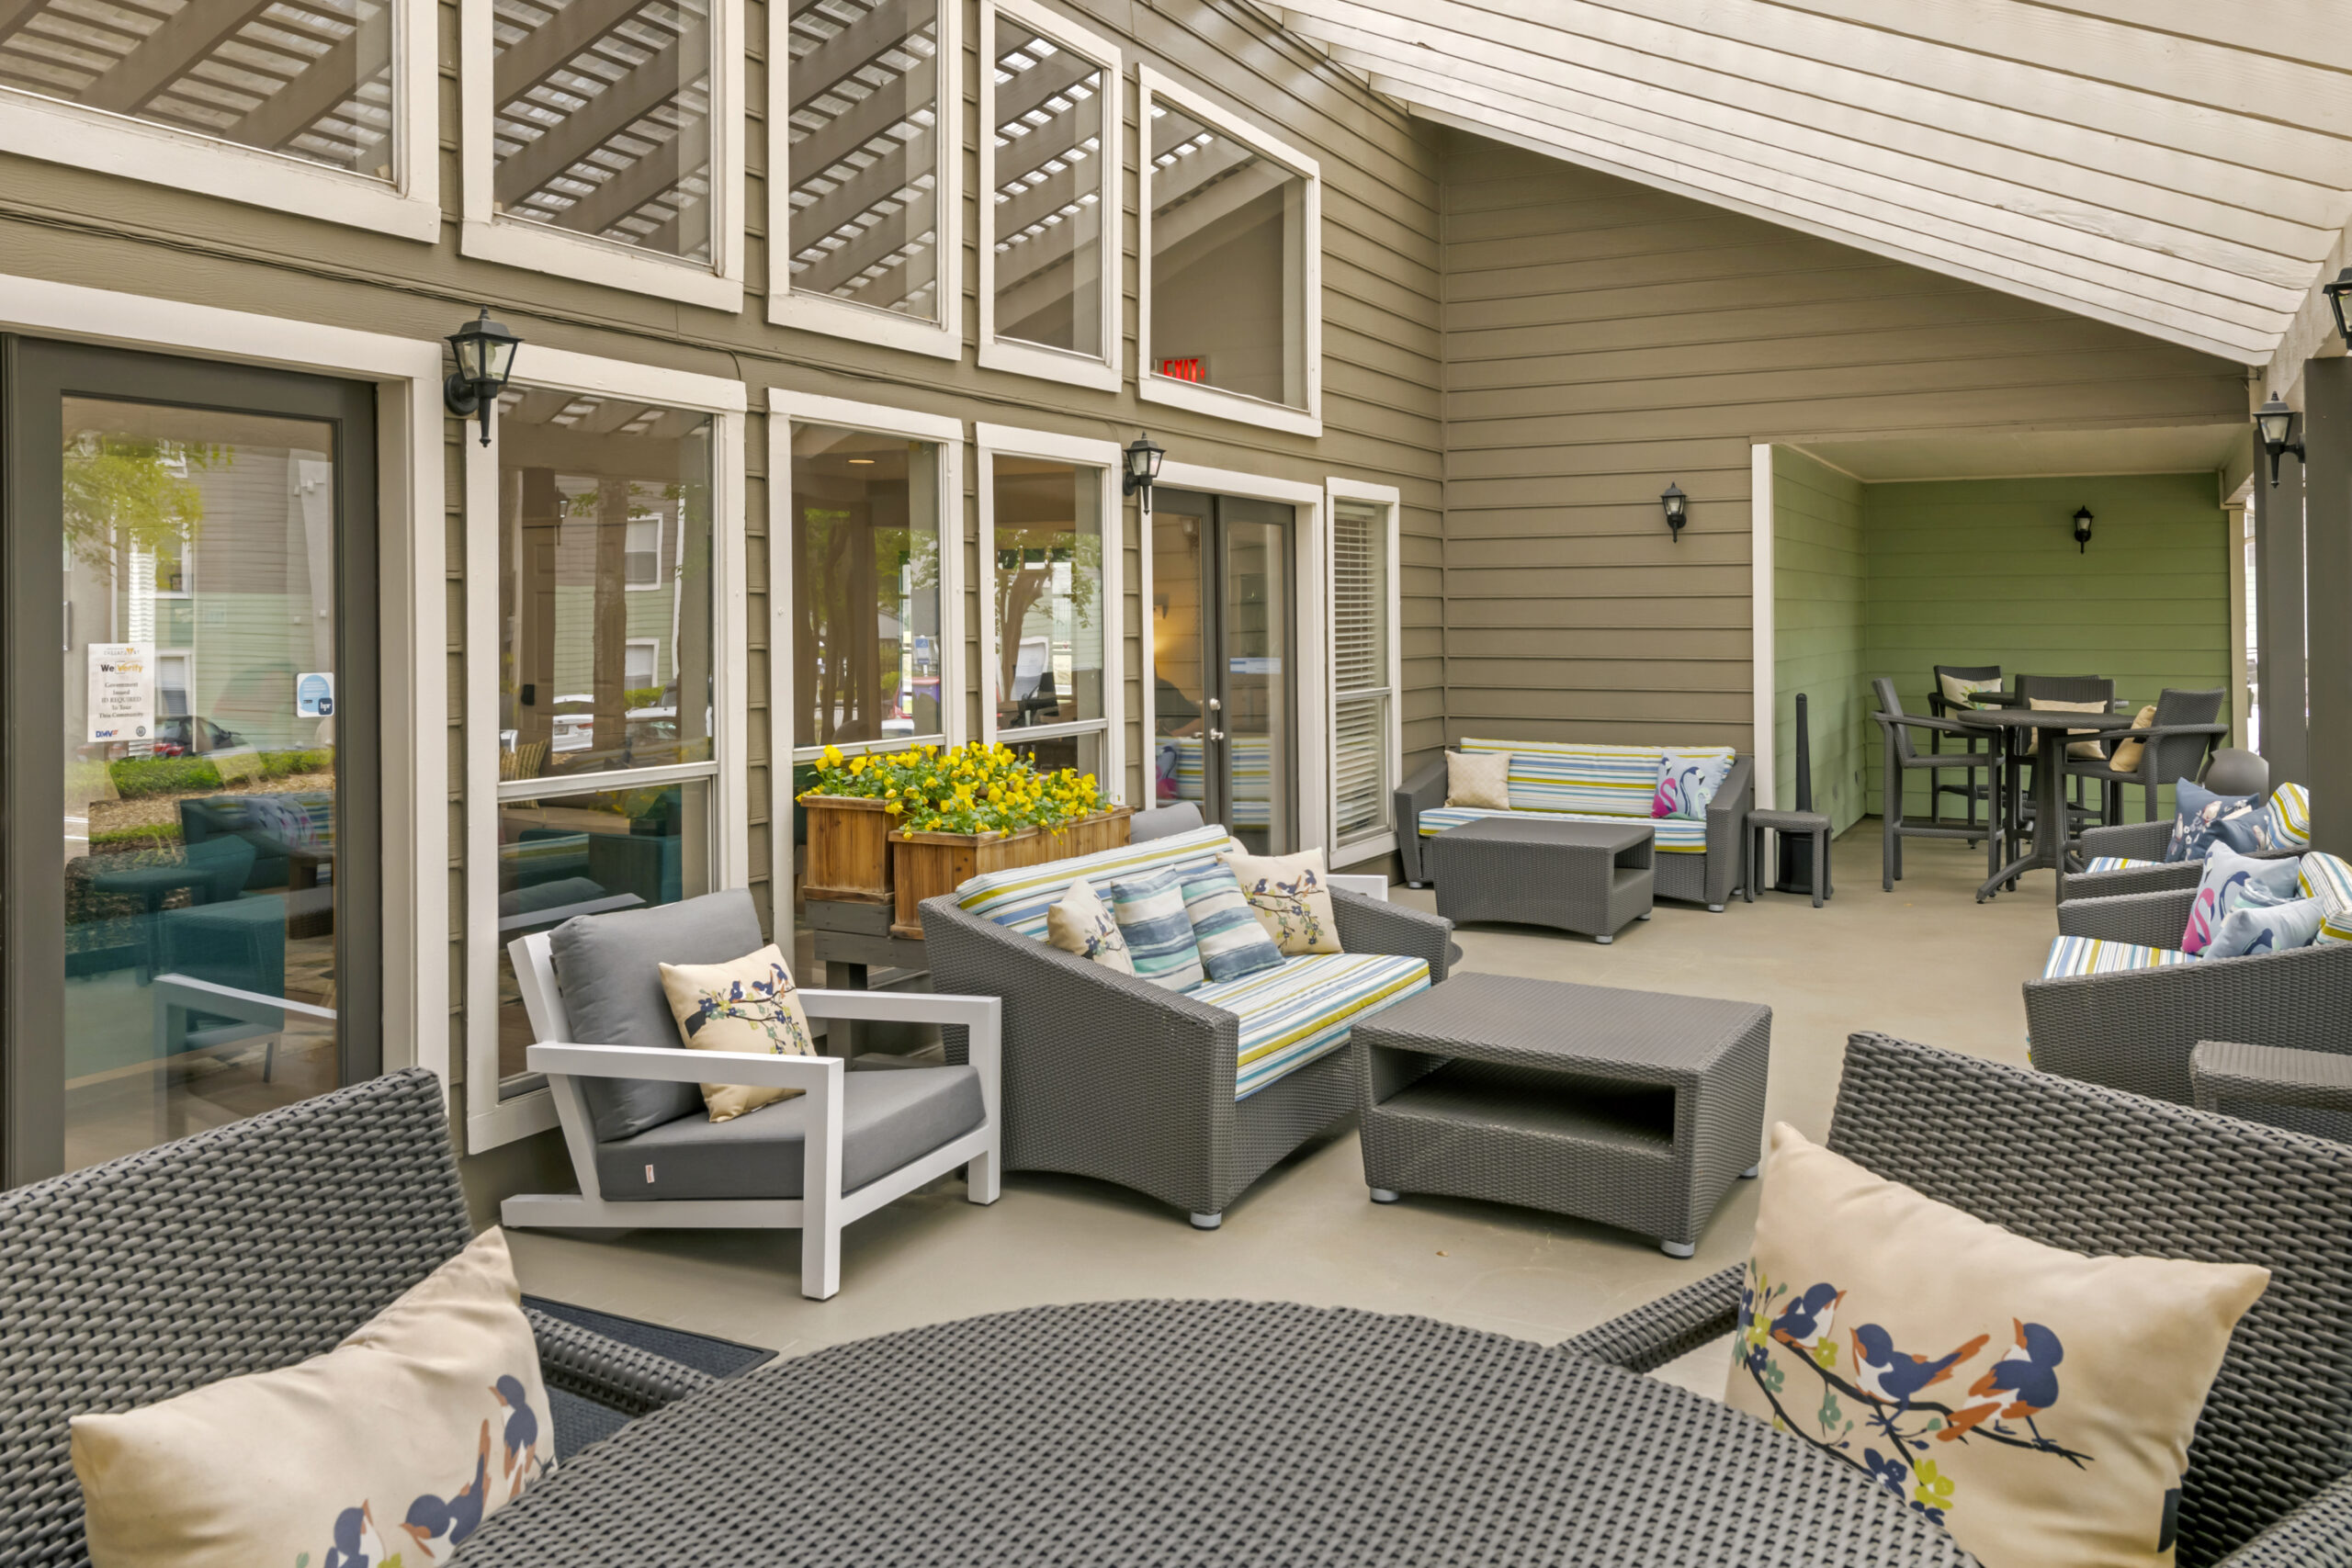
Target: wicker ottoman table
1631, 1108
1594, 877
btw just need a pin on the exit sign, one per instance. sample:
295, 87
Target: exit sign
1193, 369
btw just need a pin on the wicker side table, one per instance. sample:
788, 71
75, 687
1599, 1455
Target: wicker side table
1631, 1108
1593, 877
1812, 825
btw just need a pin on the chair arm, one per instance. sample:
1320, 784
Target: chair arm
2129, 840
1940, 726
618, 1377
2156, 730
2152, 919
2222, 1072
2171, 877
2317, 1535
1727, 830
1371, 925
1425, 791
1654, 1334
675, 1063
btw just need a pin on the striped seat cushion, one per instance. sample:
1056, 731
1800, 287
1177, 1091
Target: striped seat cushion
1670, 835
1554, 775
1293, 1015
2073, 955
2117, 862
1019, 897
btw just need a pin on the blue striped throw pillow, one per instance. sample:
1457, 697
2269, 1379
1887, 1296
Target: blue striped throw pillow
1232, 940
1150, 912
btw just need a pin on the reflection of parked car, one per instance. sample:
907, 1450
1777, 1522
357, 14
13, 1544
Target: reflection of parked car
178, 737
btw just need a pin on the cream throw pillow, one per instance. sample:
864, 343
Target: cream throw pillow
2086, 750
397, 1443
2128, 753
1291, 899
1479, 778
1083, 924
750, 1005
1961, 693
1871, 1312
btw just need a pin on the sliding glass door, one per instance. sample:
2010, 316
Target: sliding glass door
193, 842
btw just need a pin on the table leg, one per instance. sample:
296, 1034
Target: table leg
2055, 830
842, 976
2007, 873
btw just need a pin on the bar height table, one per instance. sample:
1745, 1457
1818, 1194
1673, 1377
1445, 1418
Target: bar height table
2051, 837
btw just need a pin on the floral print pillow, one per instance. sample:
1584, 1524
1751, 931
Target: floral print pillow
2199, 814
1083, 924
749, 1005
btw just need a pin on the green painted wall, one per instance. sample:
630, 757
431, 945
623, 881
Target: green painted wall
1820, 585
1986, 572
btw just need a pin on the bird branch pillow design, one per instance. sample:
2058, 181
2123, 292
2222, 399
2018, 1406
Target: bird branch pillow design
2036, 1402
747, 1004
388, 1451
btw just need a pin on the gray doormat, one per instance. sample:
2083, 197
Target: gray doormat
581, 1422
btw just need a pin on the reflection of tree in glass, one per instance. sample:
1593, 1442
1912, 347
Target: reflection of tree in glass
133, 493
855, 578
1024, 573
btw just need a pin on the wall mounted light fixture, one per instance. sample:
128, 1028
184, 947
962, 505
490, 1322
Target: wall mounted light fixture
2339, 299
2081, 530
1144, 458
2276, 421
485, 352
1677, 509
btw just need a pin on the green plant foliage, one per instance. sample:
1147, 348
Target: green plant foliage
137, 777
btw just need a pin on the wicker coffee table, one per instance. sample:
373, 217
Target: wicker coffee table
1631, 1108
1593, 877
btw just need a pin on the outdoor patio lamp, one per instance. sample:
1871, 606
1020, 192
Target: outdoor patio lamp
2275, 421
1677, 509
485, 352
2081, 530
1143, 466
2339, 299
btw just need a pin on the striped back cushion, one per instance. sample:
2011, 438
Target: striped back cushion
2329, 879
1252, 760
1554, 775
1020, 897
2291, 817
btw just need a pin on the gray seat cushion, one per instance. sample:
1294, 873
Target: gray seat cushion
608, 969
892, 1118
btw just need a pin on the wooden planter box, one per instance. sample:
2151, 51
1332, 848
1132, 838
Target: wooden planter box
928, 864
849, 849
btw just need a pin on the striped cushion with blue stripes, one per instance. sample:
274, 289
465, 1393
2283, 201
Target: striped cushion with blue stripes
1670, 835
2073, 955
2117, 862
1020, 897
2329, 879
1233, 944
1150, 912
1554, 775
1303, 1010
1252, 760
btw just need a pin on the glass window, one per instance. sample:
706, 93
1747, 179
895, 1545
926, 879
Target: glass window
603, 120
1047, 603
865, 160
642, 563
867, 656
312, 81
1045, 213
1230, 242
591, 676
1362, 700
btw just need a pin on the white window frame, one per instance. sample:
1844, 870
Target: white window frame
1310, 574
660, 578
1154, 388
1391, 500
409, 205
652, 642
487, 235
492, 1120
413, 695
1007, 441
942, 339
1100, 372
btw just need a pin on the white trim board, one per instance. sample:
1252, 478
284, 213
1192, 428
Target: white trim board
1766, 674
1336, 489
410, 535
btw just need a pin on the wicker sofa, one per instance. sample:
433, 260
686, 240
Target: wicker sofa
1172, 1094
1698, 862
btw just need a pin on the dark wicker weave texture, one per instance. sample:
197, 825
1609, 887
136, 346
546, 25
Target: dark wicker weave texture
2107, 1174
238, 1250
1109, 1077
1592, 878
1629, 1107
2310, 1092
1141, 1434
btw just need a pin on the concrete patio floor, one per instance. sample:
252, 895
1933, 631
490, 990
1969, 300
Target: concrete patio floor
1924, 962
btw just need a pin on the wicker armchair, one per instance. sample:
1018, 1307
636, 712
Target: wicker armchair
241, 1249
2137, 840
1111, 1077
2135, 1029
2269, 1480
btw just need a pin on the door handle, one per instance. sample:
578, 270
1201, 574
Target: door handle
1216, 734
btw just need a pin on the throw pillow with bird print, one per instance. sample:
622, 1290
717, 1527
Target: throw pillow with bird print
2036, 1402
1081, 923
388, 1451
748, 1004
1291, 899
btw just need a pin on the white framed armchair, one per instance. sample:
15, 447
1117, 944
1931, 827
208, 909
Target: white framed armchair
849, 1144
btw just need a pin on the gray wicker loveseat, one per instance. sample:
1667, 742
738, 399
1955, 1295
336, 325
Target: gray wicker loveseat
1696, 861
1176, 1095
243, 1249
2069, 1165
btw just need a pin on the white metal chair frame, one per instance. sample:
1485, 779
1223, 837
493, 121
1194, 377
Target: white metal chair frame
823, 1209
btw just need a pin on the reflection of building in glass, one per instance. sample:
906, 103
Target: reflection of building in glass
866, 586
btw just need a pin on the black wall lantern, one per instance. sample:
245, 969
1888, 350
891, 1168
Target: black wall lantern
485, 352
2275, 421
2339, 299
1677, 509
1143, 466
2081, 530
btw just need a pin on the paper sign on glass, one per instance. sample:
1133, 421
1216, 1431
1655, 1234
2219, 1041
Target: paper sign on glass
314, 694
122, 690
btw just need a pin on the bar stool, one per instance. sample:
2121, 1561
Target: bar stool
1811, 824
